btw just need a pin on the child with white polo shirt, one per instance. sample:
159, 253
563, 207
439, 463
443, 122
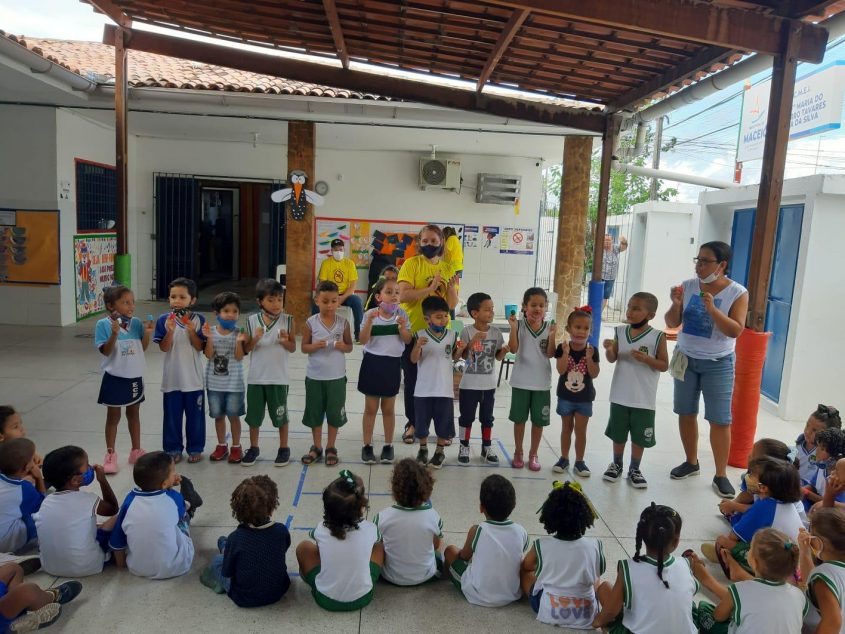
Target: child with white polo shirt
151, 536
19, 497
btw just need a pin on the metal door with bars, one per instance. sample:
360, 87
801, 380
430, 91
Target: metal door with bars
177, 205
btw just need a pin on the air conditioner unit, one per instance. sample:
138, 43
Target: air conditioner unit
440, 174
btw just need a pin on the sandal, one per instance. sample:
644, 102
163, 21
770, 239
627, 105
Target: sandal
408, 434
194, 458
314, 454
331, 457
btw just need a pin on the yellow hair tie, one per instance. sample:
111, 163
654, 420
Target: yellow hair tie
575, 486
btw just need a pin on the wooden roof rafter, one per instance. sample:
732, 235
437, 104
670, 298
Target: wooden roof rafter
337, 32
508, 32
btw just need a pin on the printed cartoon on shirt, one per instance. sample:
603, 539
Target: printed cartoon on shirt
697, 322
482, 361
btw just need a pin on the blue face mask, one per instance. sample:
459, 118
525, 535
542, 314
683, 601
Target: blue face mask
88, 476
436, 329
227, 324
430, 250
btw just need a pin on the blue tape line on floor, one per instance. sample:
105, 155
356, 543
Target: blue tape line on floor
288, 521
303, 528
527, 478
504, 451
300, 485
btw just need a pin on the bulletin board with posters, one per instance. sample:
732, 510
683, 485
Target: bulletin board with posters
29, 246
93, 264
385, 241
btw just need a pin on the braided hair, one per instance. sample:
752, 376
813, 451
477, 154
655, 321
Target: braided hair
344, 502
658, 528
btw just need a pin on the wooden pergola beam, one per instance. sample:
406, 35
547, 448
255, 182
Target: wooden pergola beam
508, 32
361, 81
110, 9
705, 23
330, 8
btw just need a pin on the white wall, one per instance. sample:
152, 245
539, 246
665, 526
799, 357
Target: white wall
28, 181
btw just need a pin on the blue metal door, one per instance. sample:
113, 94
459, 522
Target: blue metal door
781, 284
278, 230
177, 211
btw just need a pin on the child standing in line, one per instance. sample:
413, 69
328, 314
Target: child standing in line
486, 569
224, 374
71, 542
483, 346
271, 341
344, 561
639, 352
384, 334
532, 340
179, 335
251, 565
566, 568
327, 338
19, 497
825, 416
822, 564
435, 349
390, 273
412, 530
578, 365
653, 592
122, 339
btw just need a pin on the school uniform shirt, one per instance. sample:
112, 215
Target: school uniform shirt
567, 571
384, 338
434, 369
480, 372
328, 363
832, 574
532, 369
268, 361
345, 569
419, 272
820, 483
648, 605
766, 606
576, 384
769, 513
254, 561
807, 466
408, 535
634, 383
342, 273
148, 528
19, 499
67, 534
699, 337
743, 486
223, 372
126, 358
182, 363
491, 578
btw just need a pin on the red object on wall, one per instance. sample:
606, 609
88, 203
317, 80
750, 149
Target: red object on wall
750, 356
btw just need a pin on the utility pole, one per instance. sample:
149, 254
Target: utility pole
655, 159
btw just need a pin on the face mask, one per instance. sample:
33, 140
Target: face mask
227, 324
388, 308
436, 329
337, 255
180, 312
269, 314
430, 250
578, 340
88, 476
710, 278
639, 324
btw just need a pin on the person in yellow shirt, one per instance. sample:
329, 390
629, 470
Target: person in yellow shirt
453, 253
341, 270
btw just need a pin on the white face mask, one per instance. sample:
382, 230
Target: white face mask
710, 278
337, 255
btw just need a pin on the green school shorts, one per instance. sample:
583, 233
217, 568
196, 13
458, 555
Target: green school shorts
533, 403
330, 604
325, 399
634, 420
272, 397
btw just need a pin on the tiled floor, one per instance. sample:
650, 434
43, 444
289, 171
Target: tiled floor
52, 376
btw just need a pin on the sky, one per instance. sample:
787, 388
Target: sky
706, 132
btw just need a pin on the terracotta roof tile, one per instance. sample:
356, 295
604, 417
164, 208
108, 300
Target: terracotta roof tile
96, 60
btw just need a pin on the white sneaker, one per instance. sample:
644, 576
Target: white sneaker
463, 455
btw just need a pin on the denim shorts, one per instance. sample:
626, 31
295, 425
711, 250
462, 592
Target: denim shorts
712, 378
568, 408
225, 404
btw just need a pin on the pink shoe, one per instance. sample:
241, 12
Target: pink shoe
135, 454
110, 463
517, 462
533, 463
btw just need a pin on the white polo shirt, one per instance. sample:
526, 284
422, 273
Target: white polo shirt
408, 535
345, 563
491, 578
67, 534
19, 499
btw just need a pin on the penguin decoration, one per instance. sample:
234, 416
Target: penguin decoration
298, 196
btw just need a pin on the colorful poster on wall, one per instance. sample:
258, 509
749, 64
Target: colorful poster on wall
490, 234
29, 247
517, 241
93, 261
471, 236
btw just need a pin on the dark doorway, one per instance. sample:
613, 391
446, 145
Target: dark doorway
218, 244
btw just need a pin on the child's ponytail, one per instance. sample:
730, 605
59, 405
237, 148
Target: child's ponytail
658, 527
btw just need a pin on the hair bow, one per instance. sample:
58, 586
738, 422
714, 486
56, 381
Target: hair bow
574, 486
788, 545
584, 309
349, 478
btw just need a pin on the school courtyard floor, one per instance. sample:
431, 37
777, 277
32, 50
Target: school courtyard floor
52, 376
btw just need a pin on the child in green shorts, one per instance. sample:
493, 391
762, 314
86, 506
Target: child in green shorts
326, 340
271, 340
639, 352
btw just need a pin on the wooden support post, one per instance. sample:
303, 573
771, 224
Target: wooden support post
121, 96
299, 237
771, 178
572, 225
608, 142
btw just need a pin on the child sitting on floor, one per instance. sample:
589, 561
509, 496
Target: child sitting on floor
72, 545
486, 569
19, 497
830, 447
11, 426
566, 568
24, 607
824, 417
251, 565
345, 559
822, 564
411, 529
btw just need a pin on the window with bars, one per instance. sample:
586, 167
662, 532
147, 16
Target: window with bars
95, 196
